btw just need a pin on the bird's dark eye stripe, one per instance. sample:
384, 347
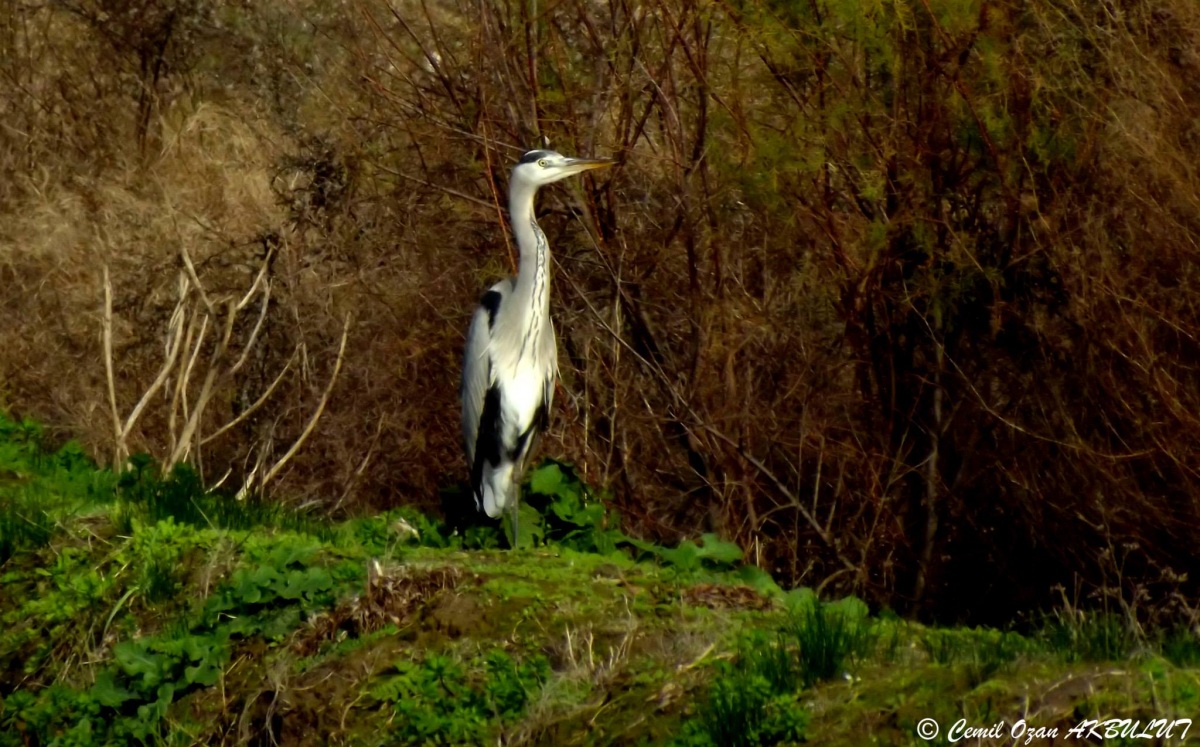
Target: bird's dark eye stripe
532, 156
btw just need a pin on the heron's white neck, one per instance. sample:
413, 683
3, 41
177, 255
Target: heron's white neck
533, 275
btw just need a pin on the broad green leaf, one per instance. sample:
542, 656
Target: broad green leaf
758, 579
135, 661
852, 607
530, 525
205, 673
546, 479
719, 550
686, 557
797, 599
107, 692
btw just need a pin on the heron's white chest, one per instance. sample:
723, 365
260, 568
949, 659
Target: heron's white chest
521, 394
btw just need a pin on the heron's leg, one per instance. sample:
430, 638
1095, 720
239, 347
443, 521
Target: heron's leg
515, 508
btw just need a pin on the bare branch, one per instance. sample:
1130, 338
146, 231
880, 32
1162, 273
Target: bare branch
257, 403
118, 436
312, 423
175, 343
191, 271
262, 315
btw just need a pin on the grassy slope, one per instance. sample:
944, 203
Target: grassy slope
120, 626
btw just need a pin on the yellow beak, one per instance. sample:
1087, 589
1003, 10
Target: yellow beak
577, 165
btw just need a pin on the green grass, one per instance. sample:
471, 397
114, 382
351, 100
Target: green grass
1181, 646
827, 636
1079, 635
150, 610
746, 705
40, 485
143, 493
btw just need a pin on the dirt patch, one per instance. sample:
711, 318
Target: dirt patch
718, 597
454, 615
392, 597
275, 706
1060, 699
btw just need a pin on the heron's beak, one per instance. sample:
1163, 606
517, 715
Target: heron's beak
578, 165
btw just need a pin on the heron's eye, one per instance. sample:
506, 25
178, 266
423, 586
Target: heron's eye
542, 163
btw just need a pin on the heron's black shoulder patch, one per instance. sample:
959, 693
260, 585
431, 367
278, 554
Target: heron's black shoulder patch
491, 302
534, 155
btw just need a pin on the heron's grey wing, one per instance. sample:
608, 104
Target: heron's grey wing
475, 378
477, 367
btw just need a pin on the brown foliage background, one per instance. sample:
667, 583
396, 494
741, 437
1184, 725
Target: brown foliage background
902, 296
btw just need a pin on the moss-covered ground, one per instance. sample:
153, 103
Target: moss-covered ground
142, 609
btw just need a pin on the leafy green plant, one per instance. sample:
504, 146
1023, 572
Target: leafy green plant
129, 699
278, 580
58, 614
158, 550
712, 554
574, 514
562, 509
381, 533
484, 537
20, 443
743, 709
277, 584
149, 674
753, 700
436, 701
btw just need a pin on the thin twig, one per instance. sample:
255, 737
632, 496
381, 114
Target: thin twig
187, 372
793, 499
206, 389
178, 396
175, 335
362, 466
119, 445
191, 271
312, 423
448, 190
262, 316
257, 403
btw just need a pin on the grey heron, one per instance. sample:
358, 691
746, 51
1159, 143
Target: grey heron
511, 361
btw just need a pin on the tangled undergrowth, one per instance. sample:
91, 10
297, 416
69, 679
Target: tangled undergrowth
143, 608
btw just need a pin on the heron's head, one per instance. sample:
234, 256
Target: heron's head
541, 167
